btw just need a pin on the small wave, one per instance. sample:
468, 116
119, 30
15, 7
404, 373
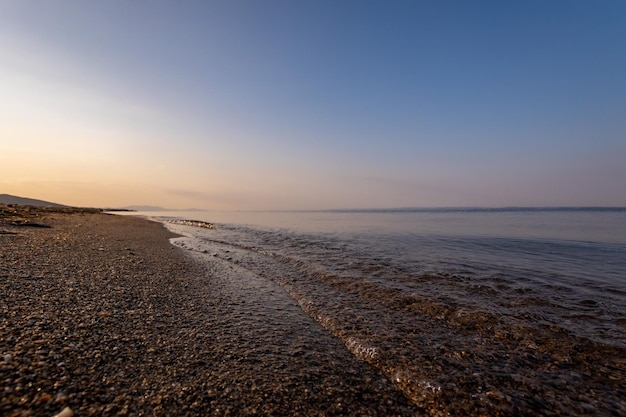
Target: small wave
417, 389
195, 223
361, 351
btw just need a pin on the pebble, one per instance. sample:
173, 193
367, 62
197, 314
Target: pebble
66, 412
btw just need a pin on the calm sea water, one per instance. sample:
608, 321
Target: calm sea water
407, 290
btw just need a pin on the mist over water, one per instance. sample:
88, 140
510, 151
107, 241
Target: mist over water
428, 296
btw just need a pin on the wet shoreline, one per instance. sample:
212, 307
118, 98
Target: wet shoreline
446, 356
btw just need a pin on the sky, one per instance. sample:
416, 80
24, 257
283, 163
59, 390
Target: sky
301, 104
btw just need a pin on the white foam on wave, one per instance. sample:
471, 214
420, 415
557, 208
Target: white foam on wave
362, 351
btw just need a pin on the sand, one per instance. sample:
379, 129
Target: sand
101, 315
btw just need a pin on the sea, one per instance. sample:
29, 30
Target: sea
489, 304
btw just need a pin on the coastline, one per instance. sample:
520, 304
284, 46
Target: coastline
101, 314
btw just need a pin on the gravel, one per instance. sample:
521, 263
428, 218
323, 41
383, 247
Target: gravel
101, 315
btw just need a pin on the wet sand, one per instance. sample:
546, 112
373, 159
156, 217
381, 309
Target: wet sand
101, 314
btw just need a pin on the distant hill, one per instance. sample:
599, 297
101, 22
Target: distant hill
145, 208
12, 199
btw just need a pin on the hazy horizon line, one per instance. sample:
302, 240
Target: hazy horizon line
408, 209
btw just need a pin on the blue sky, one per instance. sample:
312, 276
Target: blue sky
314, 104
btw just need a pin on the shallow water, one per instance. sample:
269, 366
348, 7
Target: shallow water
508, 311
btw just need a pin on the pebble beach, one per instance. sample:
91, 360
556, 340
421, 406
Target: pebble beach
101, 315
